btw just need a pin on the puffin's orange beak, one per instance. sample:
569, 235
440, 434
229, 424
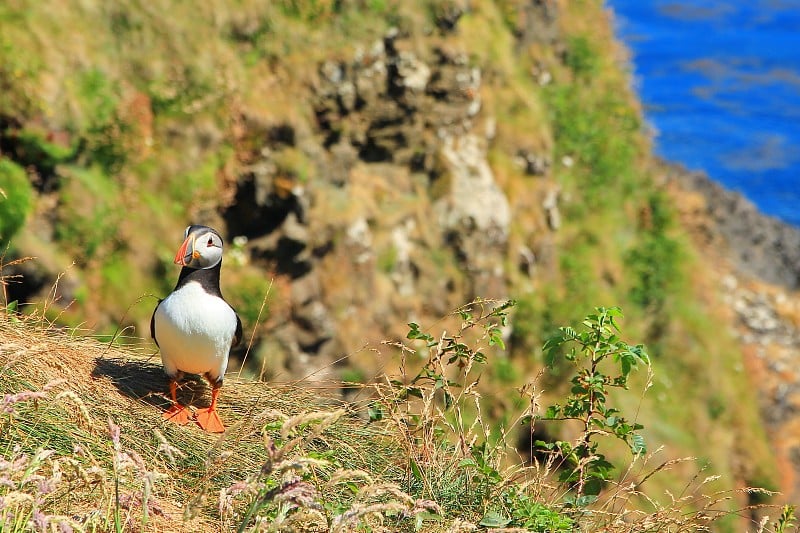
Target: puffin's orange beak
186, 252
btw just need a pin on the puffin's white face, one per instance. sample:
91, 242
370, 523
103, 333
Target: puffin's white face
201, 248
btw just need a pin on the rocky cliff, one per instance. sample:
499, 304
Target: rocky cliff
758, 271
760, 246
398, 153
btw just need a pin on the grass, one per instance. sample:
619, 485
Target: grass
84, 389
84, 445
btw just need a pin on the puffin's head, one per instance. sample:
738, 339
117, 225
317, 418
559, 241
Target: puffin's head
201, 248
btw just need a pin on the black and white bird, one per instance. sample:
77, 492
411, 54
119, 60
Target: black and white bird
194, 327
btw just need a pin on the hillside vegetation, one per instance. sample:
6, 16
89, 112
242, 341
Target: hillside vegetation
86, 449
370, 163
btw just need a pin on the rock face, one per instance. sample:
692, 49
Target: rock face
760, 245
475, 214
475, 203
396, 135
761, 291
389, 105
769, 328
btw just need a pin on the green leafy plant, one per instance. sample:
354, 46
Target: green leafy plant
100, 127
461, 464
533, 515
432, 384
654, 262
16, 199
581, 57
523, 511
786, 520
590, 351
438, 411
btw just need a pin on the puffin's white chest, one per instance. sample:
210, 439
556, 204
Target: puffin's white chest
194, 331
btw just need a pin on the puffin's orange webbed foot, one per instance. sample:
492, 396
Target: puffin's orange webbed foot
209, 420
178, 413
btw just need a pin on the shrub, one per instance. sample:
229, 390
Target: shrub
581, 58
654, 261
102, 129
90, 213
16, 199
586, 469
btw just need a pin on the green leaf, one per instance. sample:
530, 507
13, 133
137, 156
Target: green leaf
424, 516
638, 445
552, 411
415, 333
275, 425
494, 519
639, 353
375, 412
585, 501
415, 469
569, 333
414, 391
625, 365
496, 338
550, 357
448, 400
553, 342
600, 468
467, 462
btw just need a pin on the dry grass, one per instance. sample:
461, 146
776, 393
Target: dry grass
75, 391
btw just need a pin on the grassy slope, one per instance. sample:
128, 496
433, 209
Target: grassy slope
88, 384
84, 440
148, 101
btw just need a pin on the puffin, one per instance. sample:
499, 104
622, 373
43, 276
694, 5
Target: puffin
194, 327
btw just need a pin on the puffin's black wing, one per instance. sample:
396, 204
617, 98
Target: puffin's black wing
237, 337
153, 323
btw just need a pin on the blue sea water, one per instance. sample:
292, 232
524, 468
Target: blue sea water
720, 82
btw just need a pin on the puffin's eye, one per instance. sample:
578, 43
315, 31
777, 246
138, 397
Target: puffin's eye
210, 242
